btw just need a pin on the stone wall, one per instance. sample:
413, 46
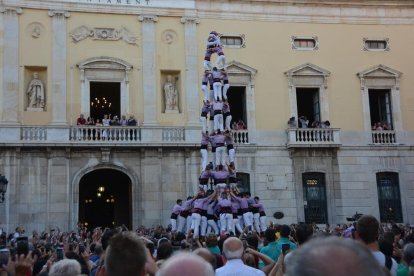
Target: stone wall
44, 182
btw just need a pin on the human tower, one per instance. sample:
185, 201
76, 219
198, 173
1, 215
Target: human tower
218, 207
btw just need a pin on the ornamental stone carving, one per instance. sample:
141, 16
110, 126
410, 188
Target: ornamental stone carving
80, 33
169, 36
109, 34
35, 30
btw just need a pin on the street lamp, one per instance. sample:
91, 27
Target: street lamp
3, 187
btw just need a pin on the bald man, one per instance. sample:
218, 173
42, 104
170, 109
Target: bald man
233, 250
186, 264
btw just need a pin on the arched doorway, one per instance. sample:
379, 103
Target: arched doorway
105, 199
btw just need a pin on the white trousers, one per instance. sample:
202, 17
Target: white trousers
263, 223
217, 91
207, 65
196, 224
221, 62
232, 154
173, 223
228, 121
203, 121
189, 222
225, 88
256, 219
213, 225
248, 219
236, 225
181, 223
203, 229
218, 122
205, 92
221, 156
226, 222
204, 159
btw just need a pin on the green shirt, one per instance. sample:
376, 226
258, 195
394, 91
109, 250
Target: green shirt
273, 249
402, 270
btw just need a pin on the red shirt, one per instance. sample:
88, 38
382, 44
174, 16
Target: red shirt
81, 121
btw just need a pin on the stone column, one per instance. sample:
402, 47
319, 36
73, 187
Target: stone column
58, 70
191, 69
148, 69
10, 67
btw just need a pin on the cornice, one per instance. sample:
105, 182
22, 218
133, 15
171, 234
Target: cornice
377, 12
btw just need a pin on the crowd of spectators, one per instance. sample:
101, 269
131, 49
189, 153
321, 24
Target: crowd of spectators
107, 120
365, 247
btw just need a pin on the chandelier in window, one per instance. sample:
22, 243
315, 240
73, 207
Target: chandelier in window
101, 103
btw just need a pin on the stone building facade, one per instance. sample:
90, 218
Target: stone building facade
342, 61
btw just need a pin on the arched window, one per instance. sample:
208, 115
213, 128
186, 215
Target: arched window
389, 197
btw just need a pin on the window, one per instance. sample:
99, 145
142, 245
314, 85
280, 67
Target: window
389, 197
376, 44
243, 182
233, 41
380, 109
305, 43
308, 105
237, 100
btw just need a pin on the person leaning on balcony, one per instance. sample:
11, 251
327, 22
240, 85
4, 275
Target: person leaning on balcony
81, 121
292, 122
123, 121
132, 121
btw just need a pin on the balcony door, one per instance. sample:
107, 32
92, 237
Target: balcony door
314, 198
237, 101
105, 99
308, 104
380, 107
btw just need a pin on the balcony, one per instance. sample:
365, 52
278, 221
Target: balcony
313, 137
113, 135
383, 137
240, 136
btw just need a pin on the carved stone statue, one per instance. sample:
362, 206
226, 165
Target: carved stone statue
36, 93
171, 95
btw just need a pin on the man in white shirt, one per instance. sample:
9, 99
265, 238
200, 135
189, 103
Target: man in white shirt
233, 250
367, 231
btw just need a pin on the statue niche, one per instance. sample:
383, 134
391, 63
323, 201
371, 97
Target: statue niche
36, 94
171, 95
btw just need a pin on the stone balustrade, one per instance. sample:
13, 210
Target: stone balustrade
240, 136
381, 137
120, 135
320, 137
33, 134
